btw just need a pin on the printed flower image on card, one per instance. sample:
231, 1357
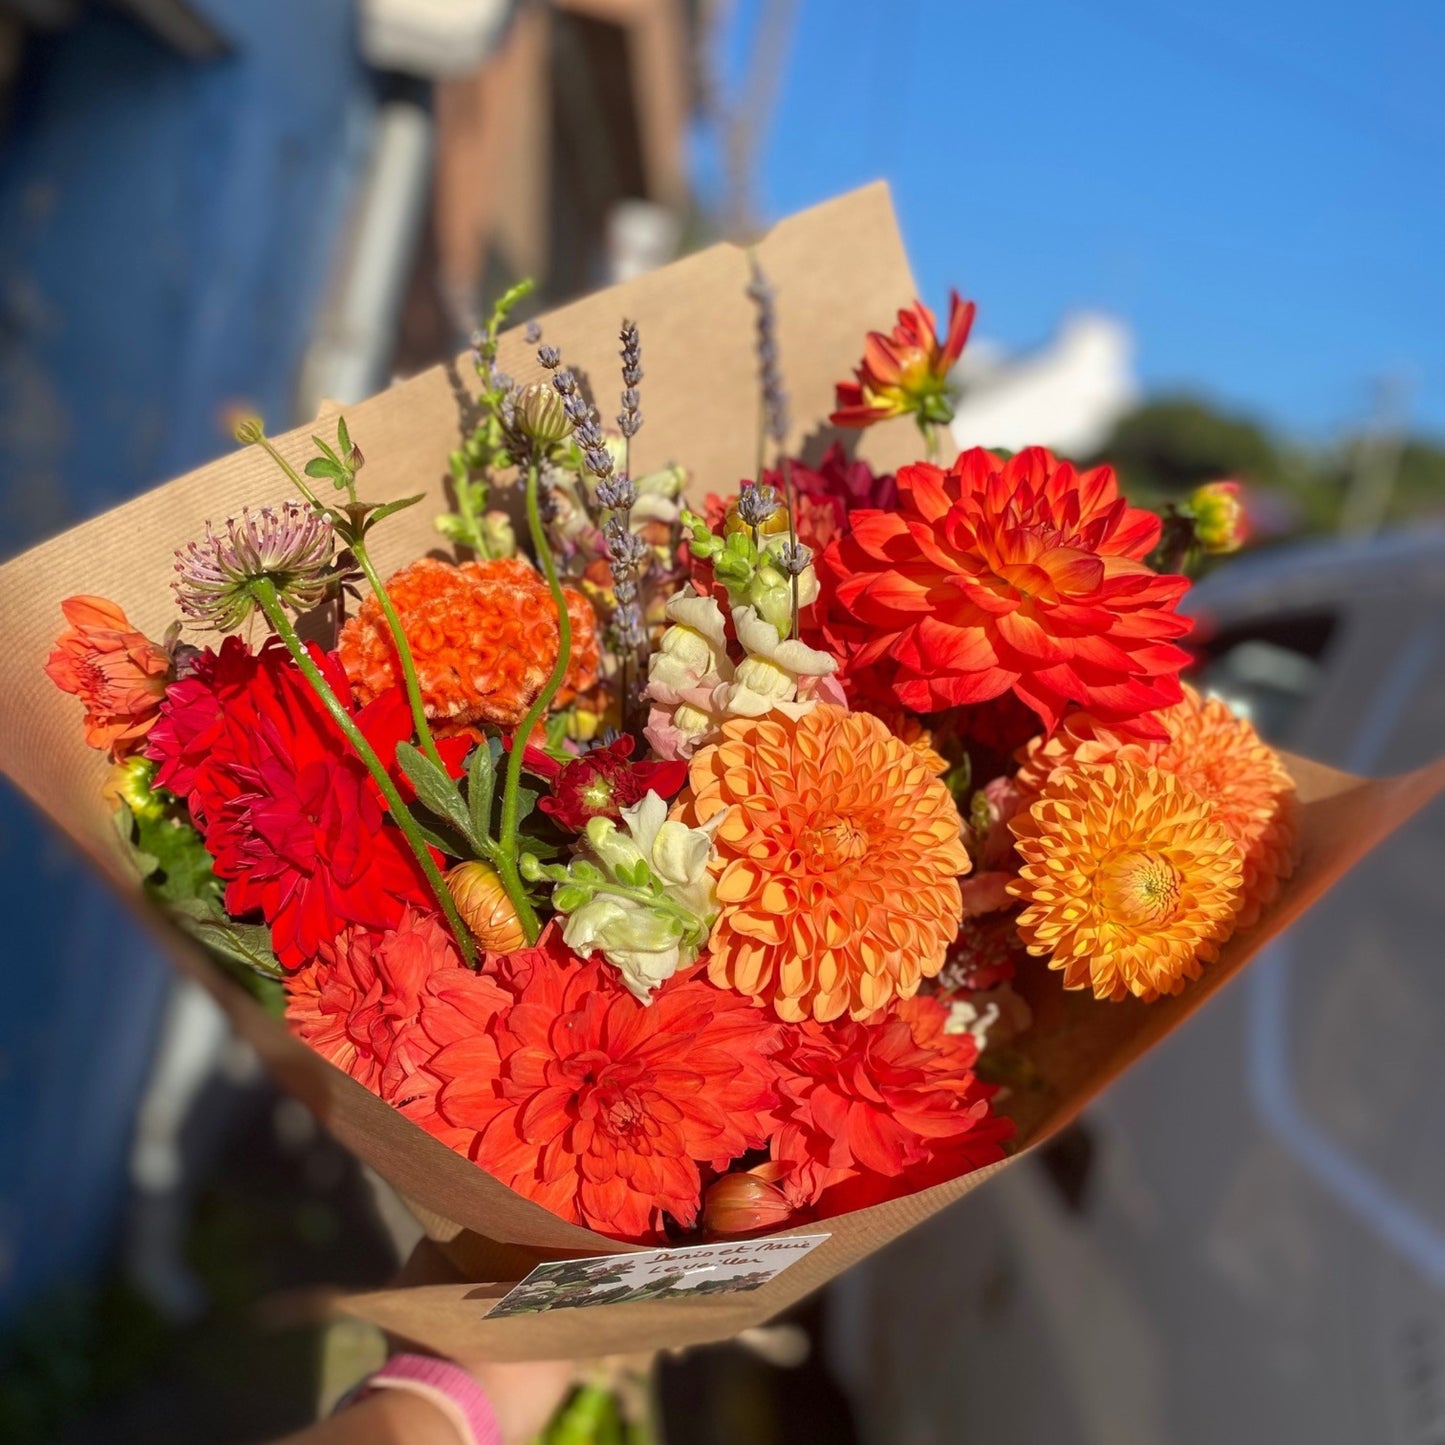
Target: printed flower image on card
655, 1275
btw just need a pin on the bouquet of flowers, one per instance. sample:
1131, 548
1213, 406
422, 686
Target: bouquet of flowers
695, 866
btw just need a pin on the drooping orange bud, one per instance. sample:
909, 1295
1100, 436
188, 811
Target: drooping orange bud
485, 907
739, 1204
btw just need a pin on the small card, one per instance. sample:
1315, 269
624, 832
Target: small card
688, 1272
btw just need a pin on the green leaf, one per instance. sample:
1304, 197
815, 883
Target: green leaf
386, 509
175, 864
248, 944
481, 784
526, 801
320, 467
343, 437
436, 792
327, 452
454, 529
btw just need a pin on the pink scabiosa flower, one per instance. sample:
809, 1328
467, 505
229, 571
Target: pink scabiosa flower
289, 546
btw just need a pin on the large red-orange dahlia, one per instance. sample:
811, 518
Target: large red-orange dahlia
995, 576
873, 1109
838, 861
483, 636
601, 1108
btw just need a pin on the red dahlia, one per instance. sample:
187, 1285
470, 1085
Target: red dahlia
601, 1108
874, 1109
290, 816
1022, 575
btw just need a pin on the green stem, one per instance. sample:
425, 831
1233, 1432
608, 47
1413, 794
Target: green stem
791, 502
294, 476
264, 592
403, 653
507, 833
930, 441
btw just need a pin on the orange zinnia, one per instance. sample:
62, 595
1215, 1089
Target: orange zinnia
838, 862
1129, 881
483, 636
1213, 753
118, 673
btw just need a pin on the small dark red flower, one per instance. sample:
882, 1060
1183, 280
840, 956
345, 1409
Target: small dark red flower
601, 782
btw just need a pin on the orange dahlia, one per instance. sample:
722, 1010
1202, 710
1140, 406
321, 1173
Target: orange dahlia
837, 863
1129, 882
483, 635
996, 576
1213, 753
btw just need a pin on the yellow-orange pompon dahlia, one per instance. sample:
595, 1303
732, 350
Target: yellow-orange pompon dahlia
838, 862
1130, 885
483, 636
1213, 753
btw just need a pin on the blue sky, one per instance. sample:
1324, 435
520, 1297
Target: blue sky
1259, 190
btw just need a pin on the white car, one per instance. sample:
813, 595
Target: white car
1244, 1240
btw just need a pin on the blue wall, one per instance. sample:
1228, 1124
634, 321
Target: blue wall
165, 232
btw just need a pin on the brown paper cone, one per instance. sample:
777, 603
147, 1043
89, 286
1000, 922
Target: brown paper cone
840, 270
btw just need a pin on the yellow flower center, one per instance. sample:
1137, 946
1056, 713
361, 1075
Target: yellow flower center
1137, 888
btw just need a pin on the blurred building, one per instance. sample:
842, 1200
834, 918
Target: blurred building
1067, 396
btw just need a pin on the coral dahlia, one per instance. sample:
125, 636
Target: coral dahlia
995, 576
600, 1108
1129, 883
380, 1004
871, 1110
1213, 753
837, 862
118, 673
483, 636
907, 370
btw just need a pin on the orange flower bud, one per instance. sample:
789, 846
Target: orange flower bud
485, 907
739, 1204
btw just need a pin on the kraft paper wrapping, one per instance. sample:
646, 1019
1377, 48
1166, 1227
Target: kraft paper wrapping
840, 270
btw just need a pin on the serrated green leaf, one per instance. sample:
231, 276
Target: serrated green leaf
434, 790
248, 944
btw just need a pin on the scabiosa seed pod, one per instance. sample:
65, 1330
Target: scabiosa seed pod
485, 908
290, 546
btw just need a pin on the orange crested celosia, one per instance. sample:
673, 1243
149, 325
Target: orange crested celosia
483, 636
1129, 882
1213, 753
118, 673
837, 862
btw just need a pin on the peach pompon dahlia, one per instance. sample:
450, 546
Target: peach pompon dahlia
1129, 883
838, 862
1022, 576
483, 635
1213, 753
